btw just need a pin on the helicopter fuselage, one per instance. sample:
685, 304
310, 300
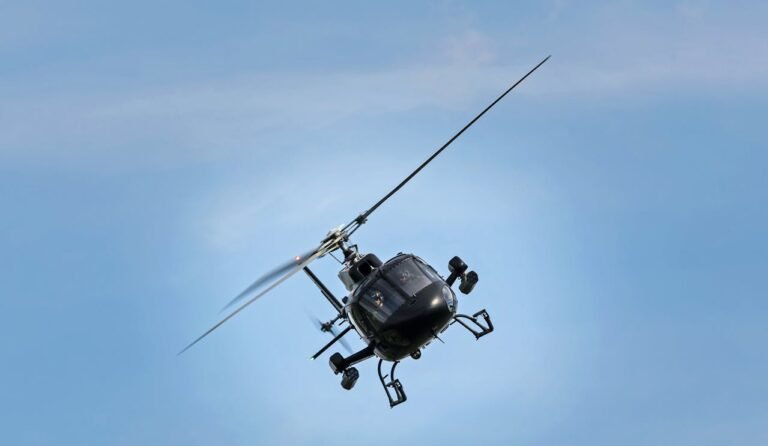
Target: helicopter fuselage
396, 307
400, 306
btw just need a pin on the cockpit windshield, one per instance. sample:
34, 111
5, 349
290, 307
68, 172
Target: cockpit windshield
399, 280
408, 276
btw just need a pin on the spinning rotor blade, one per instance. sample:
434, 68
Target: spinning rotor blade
296, 268
271, 275
342, 341
333, 331
330, 243
336, 238
360, 220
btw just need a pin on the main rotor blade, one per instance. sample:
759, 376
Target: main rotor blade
319, 252
269, 276
362, 217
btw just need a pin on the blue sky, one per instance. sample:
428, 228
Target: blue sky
156, 158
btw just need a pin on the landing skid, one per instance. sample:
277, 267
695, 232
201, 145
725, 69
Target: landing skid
393, 386
477, 328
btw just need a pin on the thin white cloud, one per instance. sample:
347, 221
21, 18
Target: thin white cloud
614, 51
313, 191
691, 47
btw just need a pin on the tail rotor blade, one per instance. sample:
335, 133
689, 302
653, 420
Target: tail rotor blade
341, 341
319, 325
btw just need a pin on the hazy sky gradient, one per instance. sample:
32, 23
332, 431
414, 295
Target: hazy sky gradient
156, 158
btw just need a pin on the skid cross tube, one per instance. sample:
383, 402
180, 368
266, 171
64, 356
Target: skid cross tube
324, 290
484, 328
333, 341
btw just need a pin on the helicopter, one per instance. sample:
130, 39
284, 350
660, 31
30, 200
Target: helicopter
397, 307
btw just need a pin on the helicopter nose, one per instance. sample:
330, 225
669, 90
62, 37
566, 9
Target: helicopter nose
440, 304
428, 311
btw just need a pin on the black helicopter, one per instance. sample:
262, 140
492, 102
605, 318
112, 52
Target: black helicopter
397, 307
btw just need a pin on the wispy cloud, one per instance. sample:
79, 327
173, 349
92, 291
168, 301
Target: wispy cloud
688, 48
692, 47
314, 192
